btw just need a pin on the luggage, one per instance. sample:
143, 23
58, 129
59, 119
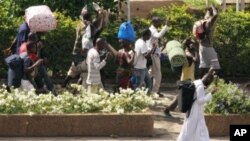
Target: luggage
126, 32
40, 18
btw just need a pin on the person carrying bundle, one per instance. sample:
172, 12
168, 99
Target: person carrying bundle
203, 31
187, 70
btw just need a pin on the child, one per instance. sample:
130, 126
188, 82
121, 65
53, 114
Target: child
30, 63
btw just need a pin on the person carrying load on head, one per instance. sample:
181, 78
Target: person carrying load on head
203, 31
87, 32
125, 60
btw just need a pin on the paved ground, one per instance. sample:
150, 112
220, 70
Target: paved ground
165, 129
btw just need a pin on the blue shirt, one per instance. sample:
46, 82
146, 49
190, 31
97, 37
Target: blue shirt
22, 35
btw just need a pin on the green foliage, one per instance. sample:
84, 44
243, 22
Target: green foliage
231, 39
59, 44
70, 8
232, 42
180, 21
74, 100
8, 28
229, 99
200, 3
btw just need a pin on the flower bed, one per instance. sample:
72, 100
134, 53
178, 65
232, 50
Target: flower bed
230, 105
219, 125
75, 113
74, 100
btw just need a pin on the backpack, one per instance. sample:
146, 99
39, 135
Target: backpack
186, 96
126, 32
199, 30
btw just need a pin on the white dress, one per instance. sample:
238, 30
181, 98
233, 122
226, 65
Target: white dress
194, 127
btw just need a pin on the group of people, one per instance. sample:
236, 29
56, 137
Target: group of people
26, 62
138, 63
91, 53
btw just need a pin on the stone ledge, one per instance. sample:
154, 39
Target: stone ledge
18, 125
219, 125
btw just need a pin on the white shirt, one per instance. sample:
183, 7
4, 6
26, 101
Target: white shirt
94, 66
140, 49
155, 35
87, 43
194, 127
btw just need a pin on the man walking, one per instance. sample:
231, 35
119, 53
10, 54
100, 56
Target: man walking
155, 68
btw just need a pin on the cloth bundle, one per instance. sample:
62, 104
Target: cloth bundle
40, 18
175, 53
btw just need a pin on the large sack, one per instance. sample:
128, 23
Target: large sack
126, 32
40, 18
175, 53
199, 30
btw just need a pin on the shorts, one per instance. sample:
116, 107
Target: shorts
208, 58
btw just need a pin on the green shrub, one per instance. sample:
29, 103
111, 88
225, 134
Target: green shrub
200, 3
232, 42
70, 8
180, 21
229, 99
59, 44
231, 37
8, 27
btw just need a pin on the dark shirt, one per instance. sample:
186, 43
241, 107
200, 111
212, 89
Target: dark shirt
22, 35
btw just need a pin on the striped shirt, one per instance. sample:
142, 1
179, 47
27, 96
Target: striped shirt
94, 66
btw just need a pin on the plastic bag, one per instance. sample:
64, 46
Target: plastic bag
126, 32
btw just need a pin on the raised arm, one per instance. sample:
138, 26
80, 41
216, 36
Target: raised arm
213, 16
157, 34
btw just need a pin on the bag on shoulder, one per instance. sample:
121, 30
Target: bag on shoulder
126, 32
199, 30
186, 95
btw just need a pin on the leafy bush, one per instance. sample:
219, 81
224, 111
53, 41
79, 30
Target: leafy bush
229, 99
200, 3
8, 28
59, 44
231, 37
180, 21
70, 8
82, 102
232, 42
